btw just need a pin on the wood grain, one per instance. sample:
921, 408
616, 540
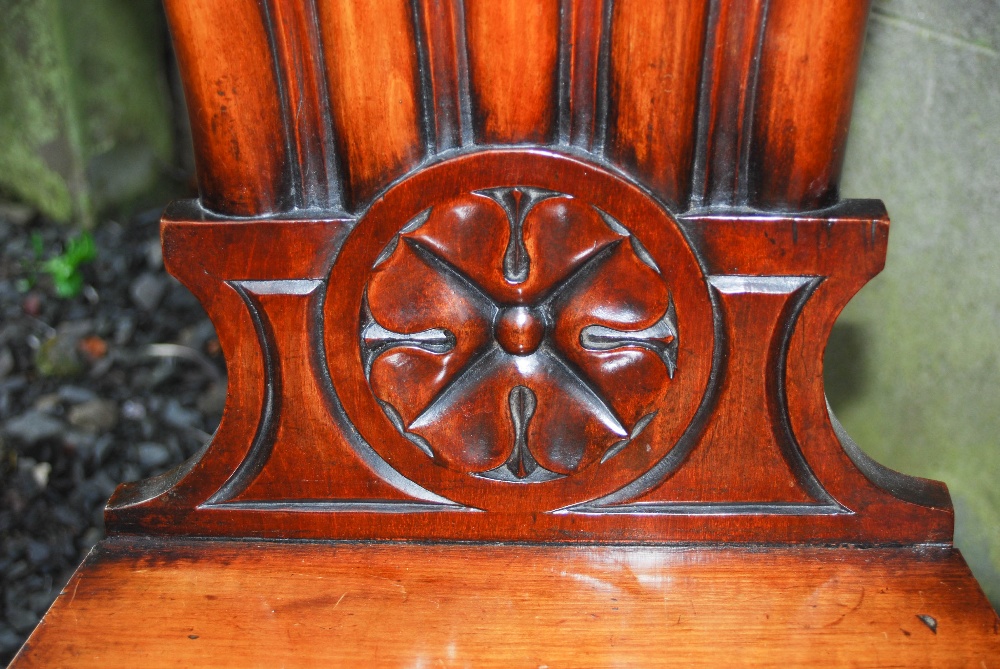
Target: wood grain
584, 109
374, 83
809, 65
656, 57
768, 471
700, 102
159, 604
334, 472
513, 55
443, 25
523, 344
225, 60
639, 401
725, 115
307, 121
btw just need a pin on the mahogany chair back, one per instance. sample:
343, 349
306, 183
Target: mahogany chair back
533, 270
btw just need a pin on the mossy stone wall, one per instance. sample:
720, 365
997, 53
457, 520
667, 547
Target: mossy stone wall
85, 115
913, 369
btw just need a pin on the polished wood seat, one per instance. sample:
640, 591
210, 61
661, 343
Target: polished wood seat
155, 603
524, 306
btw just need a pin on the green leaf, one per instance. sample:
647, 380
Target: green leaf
64, 269
70, 286
81, 250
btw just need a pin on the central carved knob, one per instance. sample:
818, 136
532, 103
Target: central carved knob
519, 330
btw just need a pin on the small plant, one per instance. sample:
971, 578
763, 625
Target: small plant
64, 269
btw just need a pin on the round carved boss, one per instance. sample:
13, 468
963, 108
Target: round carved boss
518, 329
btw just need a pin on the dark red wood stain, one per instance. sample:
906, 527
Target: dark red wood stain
521, 345
232, 97
374, 84
729, 83
307, 106
443, 24
586, 33
513, 52
809, 65
656, 57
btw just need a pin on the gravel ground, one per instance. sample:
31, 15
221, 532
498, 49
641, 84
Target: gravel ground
121, 382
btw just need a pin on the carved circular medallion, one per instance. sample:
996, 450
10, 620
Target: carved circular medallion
518, 317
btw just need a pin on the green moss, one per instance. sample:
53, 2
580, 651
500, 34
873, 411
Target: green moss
81, 82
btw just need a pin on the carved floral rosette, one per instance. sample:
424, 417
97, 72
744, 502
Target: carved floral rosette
514, 333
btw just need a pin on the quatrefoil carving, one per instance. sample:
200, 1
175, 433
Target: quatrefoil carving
517, 334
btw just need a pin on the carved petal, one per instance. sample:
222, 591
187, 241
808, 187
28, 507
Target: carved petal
582, 271
470, 232
624, 294
473, 233
408, 296
560, 234
469, 425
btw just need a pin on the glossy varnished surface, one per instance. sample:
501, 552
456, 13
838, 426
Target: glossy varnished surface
373, 81
513, 70
520, 346
503, 280
320, 104
227, 604
808, 67
656, 55
232, 94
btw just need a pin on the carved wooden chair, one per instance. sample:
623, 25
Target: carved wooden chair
524, 305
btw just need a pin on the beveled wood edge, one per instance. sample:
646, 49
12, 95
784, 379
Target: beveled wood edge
944, 618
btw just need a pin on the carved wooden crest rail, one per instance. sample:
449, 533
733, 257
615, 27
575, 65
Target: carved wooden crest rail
565, 277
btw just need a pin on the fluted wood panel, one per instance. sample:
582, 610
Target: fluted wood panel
513, 54
321, 104
299, 58
375, 93
224, 54
729, 81
656, 57
809, 66
443, 25
584, 91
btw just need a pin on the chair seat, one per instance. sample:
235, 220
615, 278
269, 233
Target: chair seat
139, 602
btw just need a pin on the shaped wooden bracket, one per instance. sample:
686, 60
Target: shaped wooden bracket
522, 345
